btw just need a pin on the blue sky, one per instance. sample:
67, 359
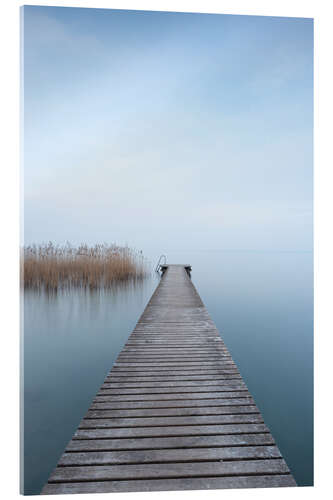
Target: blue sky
168, 130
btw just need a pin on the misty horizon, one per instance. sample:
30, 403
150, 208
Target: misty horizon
167, 130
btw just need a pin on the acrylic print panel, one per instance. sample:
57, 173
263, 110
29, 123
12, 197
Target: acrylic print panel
185, 136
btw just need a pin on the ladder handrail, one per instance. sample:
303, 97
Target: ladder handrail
157, 268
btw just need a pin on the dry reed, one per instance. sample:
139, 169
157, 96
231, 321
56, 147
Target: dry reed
50, 266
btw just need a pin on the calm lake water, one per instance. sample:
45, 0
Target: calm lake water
262, 304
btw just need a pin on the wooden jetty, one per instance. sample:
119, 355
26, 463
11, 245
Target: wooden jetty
173, 413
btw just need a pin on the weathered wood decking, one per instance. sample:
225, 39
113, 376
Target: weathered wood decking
173, 413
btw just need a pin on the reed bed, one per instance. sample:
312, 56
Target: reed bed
51, 267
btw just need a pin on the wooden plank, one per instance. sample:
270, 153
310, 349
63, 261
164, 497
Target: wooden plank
99, 423
107, 403
204, 441
164, 412
183, 354
186, 364
151, 358
188, 430
191, 343
171, 358
181, 383
178, 469
103, 396
176, 340
117, 371
175, 335
264, 481
167, 351
114, 379
204, 325
147, 332
166, 342
228, 385
172, 373
171, 455
179, 352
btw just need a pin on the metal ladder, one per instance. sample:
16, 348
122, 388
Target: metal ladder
157, 268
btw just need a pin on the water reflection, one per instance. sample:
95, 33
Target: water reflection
71, 339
